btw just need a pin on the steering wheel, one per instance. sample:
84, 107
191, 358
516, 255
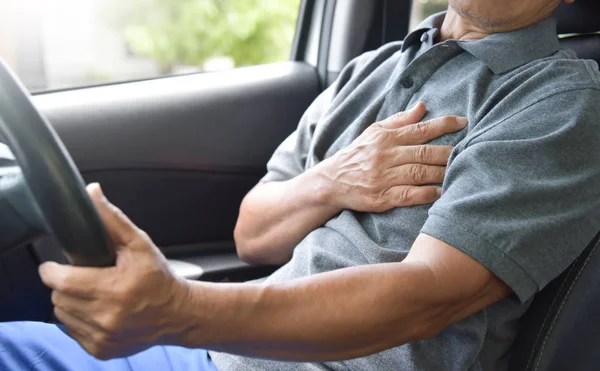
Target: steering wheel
41, 190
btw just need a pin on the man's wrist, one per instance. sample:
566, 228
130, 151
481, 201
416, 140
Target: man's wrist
324, 189
209, 315
176, 314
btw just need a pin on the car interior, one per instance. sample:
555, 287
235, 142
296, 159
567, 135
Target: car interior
177, 154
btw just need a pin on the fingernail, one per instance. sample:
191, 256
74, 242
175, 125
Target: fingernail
95, 191
439, 192
415, 106
462, 121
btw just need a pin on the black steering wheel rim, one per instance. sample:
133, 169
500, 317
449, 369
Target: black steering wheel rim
51, 178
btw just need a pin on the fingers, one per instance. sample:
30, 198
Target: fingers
416, 174
75, 325
118, 226
78, 329
93, 338
70, 303
402, 196
402, 119
424, 132
70, 280
423, 154
72, 316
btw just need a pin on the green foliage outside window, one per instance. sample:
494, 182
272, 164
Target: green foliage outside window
188, 32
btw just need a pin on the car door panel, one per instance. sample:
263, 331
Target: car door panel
223, 121
178, 207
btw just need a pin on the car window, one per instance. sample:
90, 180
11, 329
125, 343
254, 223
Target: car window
424, 8
58, 44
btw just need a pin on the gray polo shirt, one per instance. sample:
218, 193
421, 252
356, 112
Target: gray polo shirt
522, 191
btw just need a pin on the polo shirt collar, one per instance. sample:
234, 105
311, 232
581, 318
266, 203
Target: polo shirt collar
429, 25
501, 52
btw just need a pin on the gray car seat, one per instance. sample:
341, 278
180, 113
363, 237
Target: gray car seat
561, 331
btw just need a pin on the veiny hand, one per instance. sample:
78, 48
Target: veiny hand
117, 311
388, 166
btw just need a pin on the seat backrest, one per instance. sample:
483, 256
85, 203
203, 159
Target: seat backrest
579, 25
561, 330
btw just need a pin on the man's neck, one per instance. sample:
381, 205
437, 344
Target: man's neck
459, 27
456, 27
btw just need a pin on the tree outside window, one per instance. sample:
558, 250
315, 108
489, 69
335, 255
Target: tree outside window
208, 33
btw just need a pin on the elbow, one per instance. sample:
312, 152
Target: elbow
246, 255
253, 251
243, 247
254, 244
246, 251
255, 255
245, 243
245, 238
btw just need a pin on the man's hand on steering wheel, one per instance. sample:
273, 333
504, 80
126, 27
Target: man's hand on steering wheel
120, 310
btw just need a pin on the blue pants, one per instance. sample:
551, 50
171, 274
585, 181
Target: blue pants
29, 346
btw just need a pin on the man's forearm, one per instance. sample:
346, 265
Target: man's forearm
276, 216
338, 315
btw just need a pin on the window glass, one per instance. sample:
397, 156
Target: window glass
424, 8
57, 44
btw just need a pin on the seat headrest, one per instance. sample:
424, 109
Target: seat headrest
583, 16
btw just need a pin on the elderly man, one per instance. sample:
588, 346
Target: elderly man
370, 282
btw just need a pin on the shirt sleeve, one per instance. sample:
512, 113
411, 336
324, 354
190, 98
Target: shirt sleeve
290, 158
522, 196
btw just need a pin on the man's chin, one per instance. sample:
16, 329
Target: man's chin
483, 16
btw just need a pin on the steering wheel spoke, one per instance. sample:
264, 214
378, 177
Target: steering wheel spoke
20, 219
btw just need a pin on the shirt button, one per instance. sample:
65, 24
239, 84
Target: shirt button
424, 37
407, 82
